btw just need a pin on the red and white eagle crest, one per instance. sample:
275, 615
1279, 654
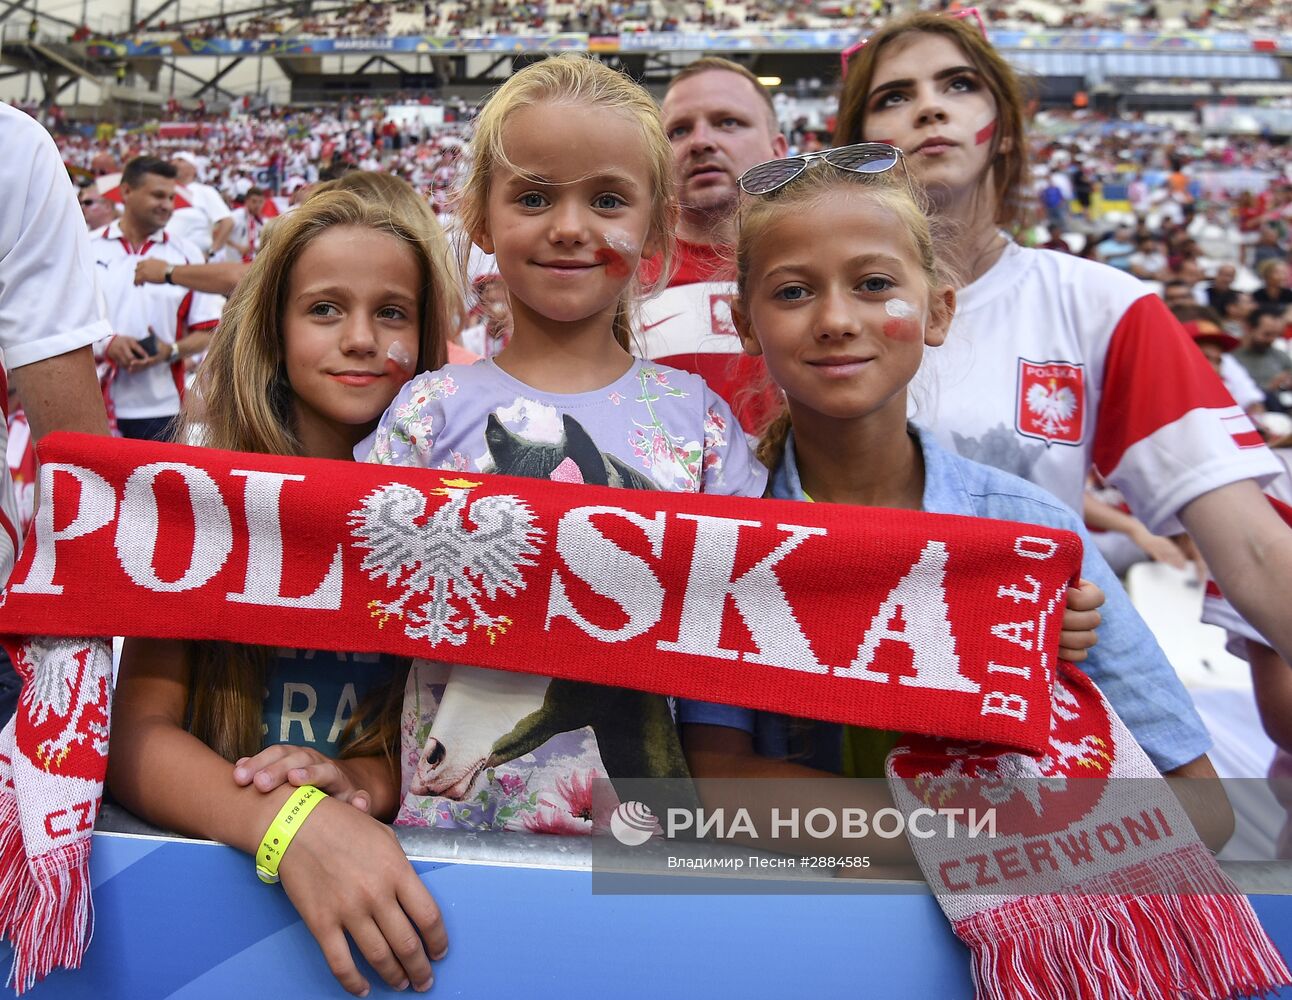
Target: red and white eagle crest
1051, 401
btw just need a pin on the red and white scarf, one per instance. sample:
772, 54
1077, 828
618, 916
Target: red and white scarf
938, 625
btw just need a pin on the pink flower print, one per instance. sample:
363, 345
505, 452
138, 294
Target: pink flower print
511, 784
661, 379
616, 398
550, 820
410, 817
715, 429
577, 793
661, 446
637, 442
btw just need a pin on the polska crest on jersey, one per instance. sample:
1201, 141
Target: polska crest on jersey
1051, 401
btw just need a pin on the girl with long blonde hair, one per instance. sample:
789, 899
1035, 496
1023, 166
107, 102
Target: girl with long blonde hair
571, 187
347, 300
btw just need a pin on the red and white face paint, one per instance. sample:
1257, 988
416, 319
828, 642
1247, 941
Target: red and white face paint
618, 251
902, 323
400, 362
984, 134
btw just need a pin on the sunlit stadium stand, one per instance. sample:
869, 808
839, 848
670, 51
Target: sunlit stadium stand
1121, 54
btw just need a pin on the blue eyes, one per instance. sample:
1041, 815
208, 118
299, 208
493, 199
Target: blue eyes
874, 285
602, 203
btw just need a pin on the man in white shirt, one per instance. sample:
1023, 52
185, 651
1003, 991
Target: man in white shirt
206, 221
154, 326
49, 311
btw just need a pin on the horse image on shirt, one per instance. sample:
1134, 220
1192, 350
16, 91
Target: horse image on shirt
488, 718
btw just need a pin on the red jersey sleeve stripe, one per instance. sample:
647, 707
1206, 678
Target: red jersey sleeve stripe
210, 324
1153, 376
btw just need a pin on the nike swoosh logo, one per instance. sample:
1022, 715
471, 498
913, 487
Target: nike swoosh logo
651, 326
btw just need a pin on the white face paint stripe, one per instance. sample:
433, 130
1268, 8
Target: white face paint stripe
620, 243
401, 356
899, 308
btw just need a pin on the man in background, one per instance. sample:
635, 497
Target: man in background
155, 327
720, 122
206, 220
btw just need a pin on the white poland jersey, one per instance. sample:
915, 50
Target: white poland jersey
1055, 363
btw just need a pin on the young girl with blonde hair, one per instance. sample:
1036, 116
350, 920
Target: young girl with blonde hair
346, 301
571, 186
840, 291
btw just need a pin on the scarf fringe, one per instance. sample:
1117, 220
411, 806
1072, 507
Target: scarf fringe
52, 924
1105, 947
17, 888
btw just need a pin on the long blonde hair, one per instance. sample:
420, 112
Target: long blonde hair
247, 404
819, 183
245, 398
574, 79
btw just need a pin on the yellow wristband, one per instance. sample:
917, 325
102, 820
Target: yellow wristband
281, 831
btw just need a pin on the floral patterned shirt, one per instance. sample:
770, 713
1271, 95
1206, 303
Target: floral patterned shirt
664, 423
652, 428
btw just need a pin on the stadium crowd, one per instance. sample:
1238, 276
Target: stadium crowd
375, 18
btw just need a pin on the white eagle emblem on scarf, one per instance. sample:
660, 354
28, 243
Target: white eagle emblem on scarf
454, 567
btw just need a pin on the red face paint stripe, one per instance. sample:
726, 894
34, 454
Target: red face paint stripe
901, 329
397, 372
985, 133
614, 261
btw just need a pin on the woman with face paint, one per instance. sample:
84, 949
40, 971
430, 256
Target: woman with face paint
1053, 363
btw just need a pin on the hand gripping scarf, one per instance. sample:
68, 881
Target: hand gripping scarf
936, 625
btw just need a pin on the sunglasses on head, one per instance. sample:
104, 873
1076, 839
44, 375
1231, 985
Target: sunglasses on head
958, 15
860, 158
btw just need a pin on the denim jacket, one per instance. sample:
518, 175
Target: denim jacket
1127, 664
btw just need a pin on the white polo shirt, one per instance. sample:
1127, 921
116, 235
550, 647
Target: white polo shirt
170, 311
48, 301
193, 223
